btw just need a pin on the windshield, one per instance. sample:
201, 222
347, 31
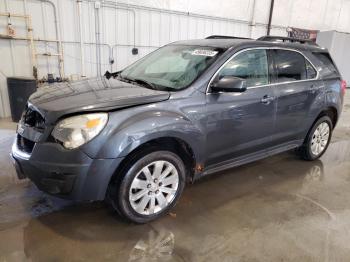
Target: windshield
172, 67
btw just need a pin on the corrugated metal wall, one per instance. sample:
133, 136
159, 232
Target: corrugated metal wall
146, 25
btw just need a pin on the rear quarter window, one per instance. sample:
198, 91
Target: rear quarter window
310, 70
327, 63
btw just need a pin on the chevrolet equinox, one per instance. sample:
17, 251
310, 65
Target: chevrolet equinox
186, 110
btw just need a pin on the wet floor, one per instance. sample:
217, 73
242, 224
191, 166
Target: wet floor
277, 209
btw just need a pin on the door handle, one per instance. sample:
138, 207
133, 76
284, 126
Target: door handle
267, 99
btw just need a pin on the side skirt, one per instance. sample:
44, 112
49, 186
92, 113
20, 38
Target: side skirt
249, 158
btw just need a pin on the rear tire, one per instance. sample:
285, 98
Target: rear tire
149, 186
317, 140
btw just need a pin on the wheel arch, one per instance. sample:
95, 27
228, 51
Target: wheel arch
172, 143
331, 112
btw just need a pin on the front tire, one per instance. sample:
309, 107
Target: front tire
318, 139
149, 187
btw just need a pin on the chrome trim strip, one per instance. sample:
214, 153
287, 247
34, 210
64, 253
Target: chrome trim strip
18, 153
271, 84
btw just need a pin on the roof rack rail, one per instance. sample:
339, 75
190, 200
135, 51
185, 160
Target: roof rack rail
225, 37
286, 39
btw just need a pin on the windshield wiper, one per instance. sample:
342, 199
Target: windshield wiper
144, 82
108, 74
136, 81
117, 75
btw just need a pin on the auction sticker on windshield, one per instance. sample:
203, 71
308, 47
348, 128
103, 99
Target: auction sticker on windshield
204, 52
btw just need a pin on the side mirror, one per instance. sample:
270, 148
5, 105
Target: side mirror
228, 84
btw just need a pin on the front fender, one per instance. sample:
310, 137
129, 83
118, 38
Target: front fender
126, 132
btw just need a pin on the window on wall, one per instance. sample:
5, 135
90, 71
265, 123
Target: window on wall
250, 65
290, 66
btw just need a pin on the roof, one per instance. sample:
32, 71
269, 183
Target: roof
220, 43
226, 43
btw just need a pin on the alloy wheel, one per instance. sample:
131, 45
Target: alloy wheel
154, 187
320, 138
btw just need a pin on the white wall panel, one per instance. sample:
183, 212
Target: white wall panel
338, 46
161, 22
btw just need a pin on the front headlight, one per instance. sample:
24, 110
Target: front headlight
77, 130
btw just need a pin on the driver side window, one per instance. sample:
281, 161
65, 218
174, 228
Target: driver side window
250, 65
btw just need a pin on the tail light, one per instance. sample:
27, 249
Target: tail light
343, 86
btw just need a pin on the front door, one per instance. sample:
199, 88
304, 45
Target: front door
241, 123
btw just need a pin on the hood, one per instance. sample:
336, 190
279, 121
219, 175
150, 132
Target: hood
94, 94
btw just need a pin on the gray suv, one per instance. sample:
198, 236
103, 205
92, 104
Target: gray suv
189, 109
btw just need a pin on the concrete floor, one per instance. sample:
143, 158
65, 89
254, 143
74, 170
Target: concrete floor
277, 209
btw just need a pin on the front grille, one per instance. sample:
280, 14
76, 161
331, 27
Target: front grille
33, 118
24, 144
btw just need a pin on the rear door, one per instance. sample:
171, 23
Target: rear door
295, 89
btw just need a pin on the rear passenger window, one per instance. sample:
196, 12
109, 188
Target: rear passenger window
290, 66
327, 63
250, 65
